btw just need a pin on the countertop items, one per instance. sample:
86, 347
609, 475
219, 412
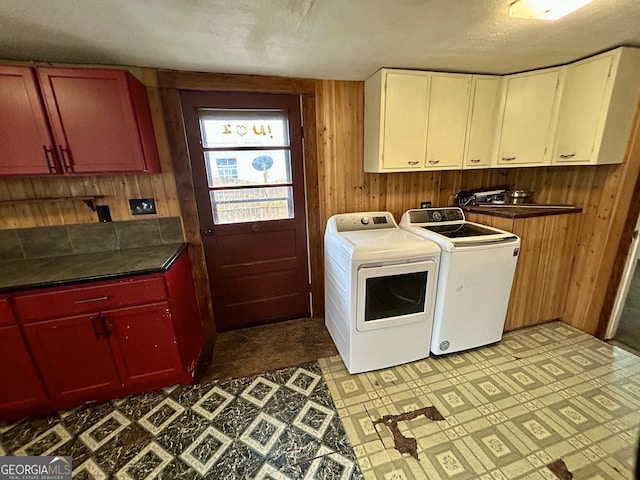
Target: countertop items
29, 273
523, 210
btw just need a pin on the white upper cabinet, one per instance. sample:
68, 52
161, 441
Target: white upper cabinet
447, 123
577, 114
405, 120
599, 100
483, 115
415, 120
529, 113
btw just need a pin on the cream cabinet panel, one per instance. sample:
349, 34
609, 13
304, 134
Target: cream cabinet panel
598, 104
483, 115
528, 120
447, 122
396, 103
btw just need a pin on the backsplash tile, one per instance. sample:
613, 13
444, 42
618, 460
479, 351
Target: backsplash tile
55, 241
45, 241
10, 247
171, 230
138, 233
93, 237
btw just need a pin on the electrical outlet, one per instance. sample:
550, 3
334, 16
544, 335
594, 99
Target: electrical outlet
104, 215
142, 206
425, 204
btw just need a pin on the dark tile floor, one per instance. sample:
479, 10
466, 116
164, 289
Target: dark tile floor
254, 350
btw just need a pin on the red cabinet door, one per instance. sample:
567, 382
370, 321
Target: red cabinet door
143, 343
20, 387
24, 133
99, 122
74, 358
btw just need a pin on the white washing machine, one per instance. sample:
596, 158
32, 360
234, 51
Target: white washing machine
477, 266
380, 285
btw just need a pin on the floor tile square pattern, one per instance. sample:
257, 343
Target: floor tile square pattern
543, 396
278, 425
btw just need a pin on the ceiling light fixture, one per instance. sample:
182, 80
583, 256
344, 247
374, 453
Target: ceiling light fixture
544, 9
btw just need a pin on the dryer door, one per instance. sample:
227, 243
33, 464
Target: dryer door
392, 295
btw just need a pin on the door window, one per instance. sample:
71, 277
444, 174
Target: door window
248, 164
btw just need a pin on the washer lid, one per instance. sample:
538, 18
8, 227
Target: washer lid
387, 244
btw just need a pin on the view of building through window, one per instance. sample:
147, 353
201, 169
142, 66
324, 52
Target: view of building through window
248, 163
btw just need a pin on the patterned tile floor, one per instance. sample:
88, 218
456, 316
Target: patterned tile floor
278, 425
511, 410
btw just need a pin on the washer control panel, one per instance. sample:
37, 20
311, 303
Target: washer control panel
435, 215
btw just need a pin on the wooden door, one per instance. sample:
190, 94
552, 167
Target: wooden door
248, 176
24, 133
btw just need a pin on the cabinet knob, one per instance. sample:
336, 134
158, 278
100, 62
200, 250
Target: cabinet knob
433, 162
568, 155
207, 231
475, 160
508, 159
413, 163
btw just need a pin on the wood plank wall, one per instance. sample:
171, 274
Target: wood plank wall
604, 192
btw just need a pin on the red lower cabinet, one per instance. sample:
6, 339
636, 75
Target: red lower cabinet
74, 358
143, 343
20, 388
99, 340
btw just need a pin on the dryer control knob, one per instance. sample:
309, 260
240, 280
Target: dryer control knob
364, 220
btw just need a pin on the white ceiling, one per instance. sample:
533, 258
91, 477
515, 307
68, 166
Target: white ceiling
328, 39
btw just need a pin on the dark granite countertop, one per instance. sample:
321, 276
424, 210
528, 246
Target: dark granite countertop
522, 210
28, 273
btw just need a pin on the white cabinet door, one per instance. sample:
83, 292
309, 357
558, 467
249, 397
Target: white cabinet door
528, 118
598, 105
581, 110
447, 122
483, 116
405, 121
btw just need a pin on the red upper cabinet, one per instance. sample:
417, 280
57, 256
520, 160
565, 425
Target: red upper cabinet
26, 146
74, 121
100, 120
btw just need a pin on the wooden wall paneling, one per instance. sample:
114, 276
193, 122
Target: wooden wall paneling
174, 125
164, 185
595, 261
25, 214
565, 227
315, 228
343, 185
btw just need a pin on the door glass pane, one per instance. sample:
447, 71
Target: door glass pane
251, 204
227, 168
395, 295
244, 128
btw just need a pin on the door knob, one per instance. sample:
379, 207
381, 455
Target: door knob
208, 231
